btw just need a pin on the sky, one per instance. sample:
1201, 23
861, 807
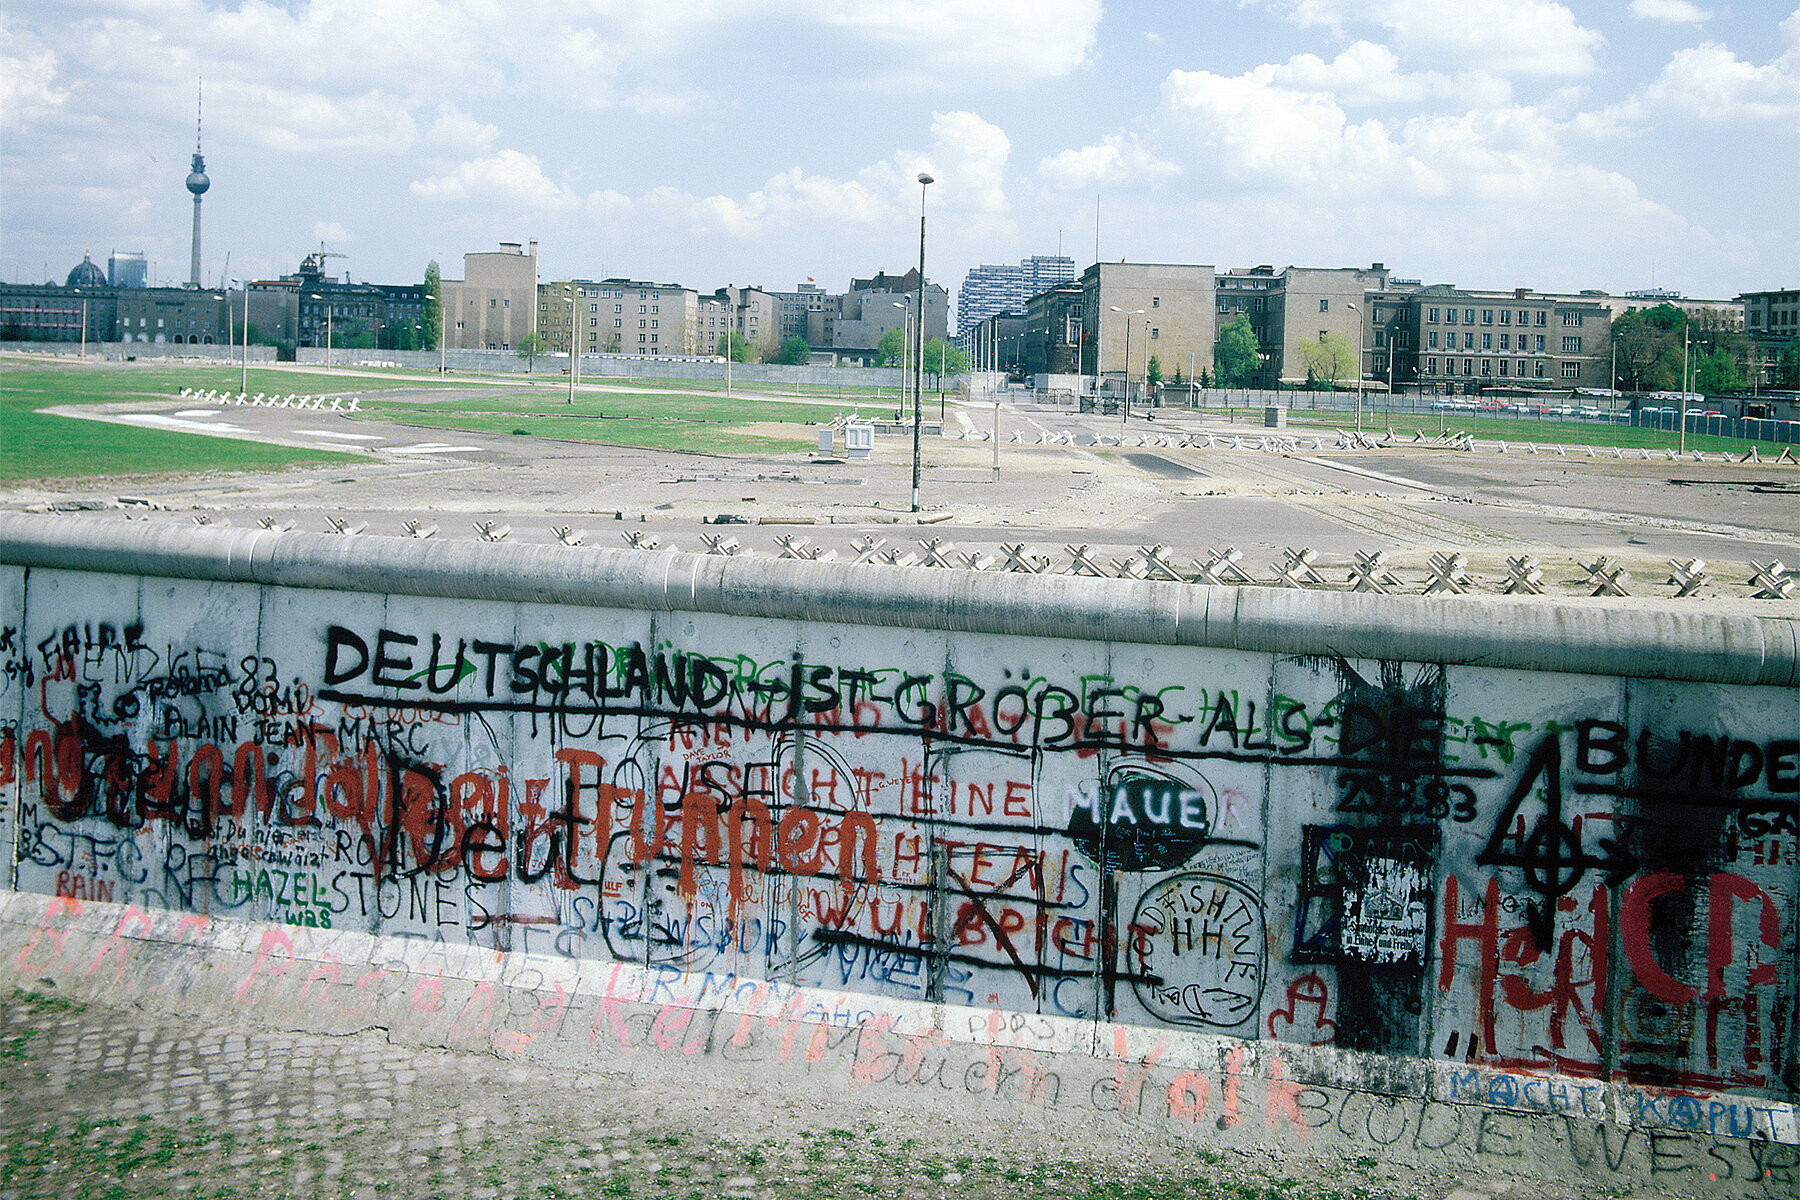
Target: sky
1616, 145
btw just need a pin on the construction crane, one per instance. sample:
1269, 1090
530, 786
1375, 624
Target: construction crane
314, 264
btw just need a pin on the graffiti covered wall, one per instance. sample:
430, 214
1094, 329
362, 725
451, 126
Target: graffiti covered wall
1518, 870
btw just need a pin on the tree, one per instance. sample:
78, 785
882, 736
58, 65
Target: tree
1236, 356
355, 335
891, 349
1328, 360
431, 327
945, 358
737, 347
1716, 372
794, 352
400, 335
1787, 364
531, 347
1153, 372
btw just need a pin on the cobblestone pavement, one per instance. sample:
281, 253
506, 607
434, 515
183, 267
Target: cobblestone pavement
103, 1103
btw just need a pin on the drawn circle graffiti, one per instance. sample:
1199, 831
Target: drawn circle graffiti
1197, 951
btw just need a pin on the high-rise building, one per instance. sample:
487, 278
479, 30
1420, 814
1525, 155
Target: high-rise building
127, 269
990, 290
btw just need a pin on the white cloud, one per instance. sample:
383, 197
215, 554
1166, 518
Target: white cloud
1674, 12
1033, 39
330, 231
506, 178
1713, 84
378, 76
1508, 37
1117, 160
28, 88
1256, 130
1504, 164
1710, 83
457, 130
967, 157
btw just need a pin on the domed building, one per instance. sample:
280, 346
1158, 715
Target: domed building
82, 310
86, 274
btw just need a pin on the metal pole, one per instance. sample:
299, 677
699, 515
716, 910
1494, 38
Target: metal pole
574, 354
996, 437
1125, 379
925, 181
84, 327
1681, 412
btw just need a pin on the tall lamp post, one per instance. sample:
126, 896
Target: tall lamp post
925, 181
574, 333
84, 301
1125, 408
1359, 371
1681, 413
316, 296
730, 327
244, 372
906, 329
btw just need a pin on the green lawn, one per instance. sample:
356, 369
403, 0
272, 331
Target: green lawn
36, 445
709, 423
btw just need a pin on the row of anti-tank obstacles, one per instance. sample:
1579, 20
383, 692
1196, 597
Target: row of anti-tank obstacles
1446, 572
1356, 440
242, 399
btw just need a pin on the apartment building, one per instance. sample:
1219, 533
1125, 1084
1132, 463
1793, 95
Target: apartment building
192, 315
873, 306
809, 311
1469, 341
991, 289
1772, 318
1050, 339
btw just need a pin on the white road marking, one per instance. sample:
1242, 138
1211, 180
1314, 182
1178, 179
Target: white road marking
431, 448
161, 421
349, 437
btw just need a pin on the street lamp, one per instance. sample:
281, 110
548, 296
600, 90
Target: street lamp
925, 181
1125, 408
84, 301
1359, 371
244, 376
327, 300
1681, 413
574, 351
729, 325
906, 333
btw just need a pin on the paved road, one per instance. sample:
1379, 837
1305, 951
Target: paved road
99, 1102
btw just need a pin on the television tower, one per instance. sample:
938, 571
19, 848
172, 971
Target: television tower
197, 183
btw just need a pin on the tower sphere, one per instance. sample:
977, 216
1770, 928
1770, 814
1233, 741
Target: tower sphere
197, 182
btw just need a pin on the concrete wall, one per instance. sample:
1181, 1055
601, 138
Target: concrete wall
1526, 862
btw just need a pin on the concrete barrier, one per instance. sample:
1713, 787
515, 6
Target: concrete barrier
1507, 880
